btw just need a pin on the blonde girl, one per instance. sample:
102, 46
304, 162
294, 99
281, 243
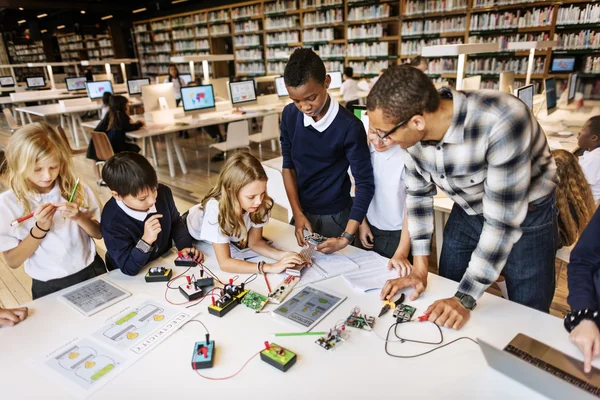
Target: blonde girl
235, 210
55, 245
573, 198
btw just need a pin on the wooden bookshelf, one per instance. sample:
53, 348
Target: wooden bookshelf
75, 48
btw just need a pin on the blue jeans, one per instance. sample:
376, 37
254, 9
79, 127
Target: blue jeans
529, 269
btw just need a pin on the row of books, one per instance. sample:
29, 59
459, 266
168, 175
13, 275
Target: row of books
247, 40
331, 16
578, 15
283, 37
317, 35
512, 19
368, 49
455, 24
586, 39
195, 45
505, 39
251, 68
592, 64
365, 31
276, 68
320, 3
282, 22
245, 12
280, 6
244, 55
495, 65
369, 12
368, 67
432, 6
413, 47
247, 26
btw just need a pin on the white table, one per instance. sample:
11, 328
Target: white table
358, 369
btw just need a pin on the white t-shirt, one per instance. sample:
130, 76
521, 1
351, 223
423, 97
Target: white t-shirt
349, 90
204, 224
590, 164
386, 211
177, 84
65, 250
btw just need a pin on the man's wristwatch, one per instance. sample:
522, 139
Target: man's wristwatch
348, 237
143, 246
466, 300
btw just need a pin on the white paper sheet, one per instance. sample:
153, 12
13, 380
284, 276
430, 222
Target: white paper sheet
373, 272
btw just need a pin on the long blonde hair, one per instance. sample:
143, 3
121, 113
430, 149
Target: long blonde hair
239, 170
33, 143
573, 197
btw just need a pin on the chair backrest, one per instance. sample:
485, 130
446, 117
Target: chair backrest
82, 101
270, 127
102, 145
12, 124
238, 135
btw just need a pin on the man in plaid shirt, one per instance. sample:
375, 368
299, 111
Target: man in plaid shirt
486, 151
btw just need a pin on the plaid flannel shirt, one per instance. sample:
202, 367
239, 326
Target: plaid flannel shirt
493, 161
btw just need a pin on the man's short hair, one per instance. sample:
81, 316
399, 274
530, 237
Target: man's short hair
403, 92
418, 60
304, 65
129, 173
594, 125
349, 72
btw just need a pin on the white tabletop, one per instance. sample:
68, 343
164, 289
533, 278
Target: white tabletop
57, 94
358, 369
47, 110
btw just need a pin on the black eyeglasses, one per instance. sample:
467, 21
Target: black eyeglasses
388, 133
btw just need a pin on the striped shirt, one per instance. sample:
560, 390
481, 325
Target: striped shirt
493, 161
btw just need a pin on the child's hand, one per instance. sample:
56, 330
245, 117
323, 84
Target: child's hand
193, 253
69, 210
301, 223
365, 235
43, 216
13, 316
152, 229
290, 260
401, 264
587, 338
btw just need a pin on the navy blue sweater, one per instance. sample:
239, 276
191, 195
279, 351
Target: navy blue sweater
122, 232
321, 161
583, 271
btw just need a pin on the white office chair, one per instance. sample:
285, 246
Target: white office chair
270, 132
237, 138
12, 122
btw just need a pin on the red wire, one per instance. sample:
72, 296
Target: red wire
230, 376
185, 302
267, 282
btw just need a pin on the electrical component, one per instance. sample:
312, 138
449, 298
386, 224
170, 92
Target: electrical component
184, 261
404, 312
278, 357
203, 355
158, 274
283, 289
358, 321
313, 239
255, 301
334, 338
193, 289
231, 297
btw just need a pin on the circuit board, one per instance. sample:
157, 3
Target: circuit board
255, 301
359, 321
330, 341
404, 313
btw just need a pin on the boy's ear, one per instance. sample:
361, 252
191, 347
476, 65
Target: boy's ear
115, 195
595, 138
327, 81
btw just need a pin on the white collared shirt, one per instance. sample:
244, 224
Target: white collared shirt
349, 90
386, 211
590, 164
204, 224
135, 214
327, 119
66, 249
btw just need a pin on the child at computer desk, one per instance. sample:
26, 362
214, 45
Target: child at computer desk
235, 210
589, 141
140, 222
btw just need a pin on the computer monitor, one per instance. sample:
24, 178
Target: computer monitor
77, 83
336, 80
525, 94
198, 99
36, 82
242, 92
7, 81
550, 89
134, 86
97, 89
152, 94
571, 88
221, 88
563, 64
280, 87
507, 81
186, 78
472, 83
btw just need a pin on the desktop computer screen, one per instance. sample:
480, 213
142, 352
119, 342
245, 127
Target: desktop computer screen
6, 81
572, 88
36, 81
186, 78
336, 80
242, 92
96, 89
280, 87
195, 98
525, 93
158, 97
77, 83
563, 64
550, 88
134, 86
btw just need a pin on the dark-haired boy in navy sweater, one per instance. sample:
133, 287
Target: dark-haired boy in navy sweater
319, 141
141, 221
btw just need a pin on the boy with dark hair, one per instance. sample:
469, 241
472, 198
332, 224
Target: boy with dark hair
486, 151
319, 141
589, 141
141, 221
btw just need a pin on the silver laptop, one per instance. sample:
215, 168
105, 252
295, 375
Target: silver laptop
543, 369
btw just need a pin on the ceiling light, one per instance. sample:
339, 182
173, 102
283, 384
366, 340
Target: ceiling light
22, 21
139, 10
44, 30
106, 17
42, 15
21, 8
82, 11
178, 1
60, 27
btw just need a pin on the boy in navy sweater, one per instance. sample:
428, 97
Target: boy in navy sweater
319, 141
140, 222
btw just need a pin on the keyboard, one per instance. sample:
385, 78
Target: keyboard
595, 390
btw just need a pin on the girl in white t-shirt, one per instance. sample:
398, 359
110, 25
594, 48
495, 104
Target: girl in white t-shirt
235, 210
56, 244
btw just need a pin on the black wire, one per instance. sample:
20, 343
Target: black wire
212, 274
198, 321
414, 341
177, 277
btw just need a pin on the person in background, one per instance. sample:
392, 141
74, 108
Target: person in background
178, 83
573, 197
420, 63
589, 141
105, 103
89, 75
349, 89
